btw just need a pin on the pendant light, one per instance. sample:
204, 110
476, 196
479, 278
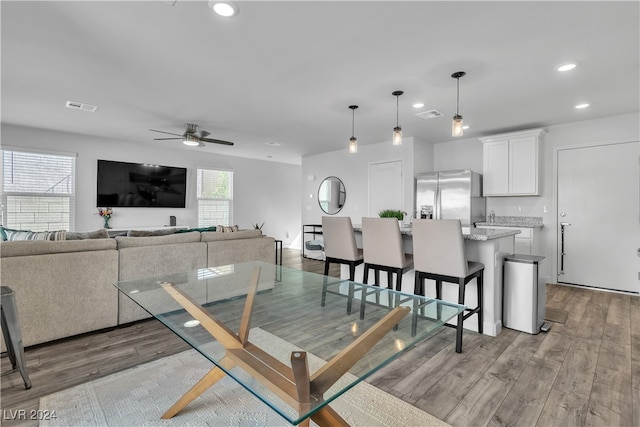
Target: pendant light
397, 131
456, 125
353, 142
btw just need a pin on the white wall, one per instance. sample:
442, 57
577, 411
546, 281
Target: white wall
264, 191
467, 153
353, 170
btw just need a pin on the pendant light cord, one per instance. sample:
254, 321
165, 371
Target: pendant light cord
353, 121
458, 97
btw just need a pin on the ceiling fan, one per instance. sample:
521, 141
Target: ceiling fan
192, 136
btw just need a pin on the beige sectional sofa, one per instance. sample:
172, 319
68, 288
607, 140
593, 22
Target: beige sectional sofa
65, 288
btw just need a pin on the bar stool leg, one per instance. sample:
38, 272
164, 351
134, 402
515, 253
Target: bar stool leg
461, 287
480, 284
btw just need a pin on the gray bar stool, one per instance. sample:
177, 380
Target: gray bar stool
438, 254
12, 335
383, 251
340, 248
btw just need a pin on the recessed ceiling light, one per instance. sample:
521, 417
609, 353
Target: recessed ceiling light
274, 143
418, 105
583, 105
465, 127
567, 67
224, 8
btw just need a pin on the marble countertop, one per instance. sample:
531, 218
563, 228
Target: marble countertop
468, 233
514, 221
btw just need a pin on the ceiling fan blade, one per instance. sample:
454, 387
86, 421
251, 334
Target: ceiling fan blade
168, 133
165, 139
202, 134
216, 141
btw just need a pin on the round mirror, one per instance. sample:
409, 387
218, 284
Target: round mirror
331, 195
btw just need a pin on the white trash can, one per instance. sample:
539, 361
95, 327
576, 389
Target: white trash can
524, 294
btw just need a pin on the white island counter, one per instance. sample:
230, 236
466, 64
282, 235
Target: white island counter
488, 246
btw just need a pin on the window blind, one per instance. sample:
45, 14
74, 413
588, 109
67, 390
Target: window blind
215, 197
38, 190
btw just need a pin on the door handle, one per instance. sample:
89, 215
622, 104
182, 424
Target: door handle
562, 253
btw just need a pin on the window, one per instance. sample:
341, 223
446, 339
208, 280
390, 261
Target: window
215, 197
38, 190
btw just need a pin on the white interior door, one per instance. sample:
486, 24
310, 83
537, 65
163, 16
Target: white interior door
598, 200
385, 186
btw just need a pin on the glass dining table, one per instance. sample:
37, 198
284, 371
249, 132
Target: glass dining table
296, 340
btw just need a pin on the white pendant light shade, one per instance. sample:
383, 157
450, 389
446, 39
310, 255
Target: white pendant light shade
397, 131
353, 145
353, 141
456, 125
397, 135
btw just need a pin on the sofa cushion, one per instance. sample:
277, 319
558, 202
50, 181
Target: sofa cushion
100, 233
241, 234
149, 233
10, 235
132, 242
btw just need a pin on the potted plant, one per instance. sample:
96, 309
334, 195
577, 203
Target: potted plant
391, 213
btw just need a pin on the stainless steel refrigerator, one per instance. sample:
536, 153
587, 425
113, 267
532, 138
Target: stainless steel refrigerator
455, 194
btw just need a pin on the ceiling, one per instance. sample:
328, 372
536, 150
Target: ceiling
286, 72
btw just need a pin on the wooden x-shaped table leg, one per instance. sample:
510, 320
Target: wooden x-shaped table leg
293, 384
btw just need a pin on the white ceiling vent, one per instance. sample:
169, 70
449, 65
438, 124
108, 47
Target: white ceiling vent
80, 106
429, 114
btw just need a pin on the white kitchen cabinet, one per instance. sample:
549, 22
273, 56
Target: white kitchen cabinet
510, 163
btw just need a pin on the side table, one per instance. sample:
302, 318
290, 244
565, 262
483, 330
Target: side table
12, 335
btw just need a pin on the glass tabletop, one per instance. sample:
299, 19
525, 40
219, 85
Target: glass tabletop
264, 316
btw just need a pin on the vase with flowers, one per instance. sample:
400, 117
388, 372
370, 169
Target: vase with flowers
106, 214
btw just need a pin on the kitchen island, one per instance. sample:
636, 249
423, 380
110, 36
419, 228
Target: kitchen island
488, 246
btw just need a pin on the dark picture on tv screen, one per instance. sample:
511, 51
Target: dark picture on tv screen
122, 185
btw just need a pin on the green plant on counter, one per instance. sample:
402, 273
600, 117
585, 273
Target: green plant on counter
390, 213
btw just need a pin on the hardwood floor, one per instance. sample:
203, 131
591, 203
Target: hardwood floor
583, 372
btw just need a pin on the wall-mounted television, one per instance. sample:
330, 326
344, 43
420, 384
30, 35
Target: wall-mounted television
124, 185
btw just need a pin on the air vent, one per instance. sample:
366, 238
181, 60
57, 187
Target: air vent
80, 106
429, 114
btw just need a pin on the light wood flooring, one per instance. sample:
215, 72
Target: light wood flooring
581, 373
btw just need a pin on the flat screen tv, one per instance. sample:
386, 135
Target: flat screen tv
124, 185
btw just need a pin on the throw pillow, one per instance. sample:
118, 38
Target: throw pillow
101, 233
227, 229
14, 235
199, 229
149, 233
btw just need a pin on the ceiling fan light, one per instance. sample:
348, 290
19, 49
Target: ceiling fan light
456, 126
191, 141
397, 135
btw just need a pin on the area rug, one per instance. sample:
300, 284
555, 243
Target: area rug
140, 395
556, 315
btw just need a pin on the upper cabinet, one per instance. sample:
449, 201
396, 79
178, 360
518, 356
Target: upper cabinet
510, 163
